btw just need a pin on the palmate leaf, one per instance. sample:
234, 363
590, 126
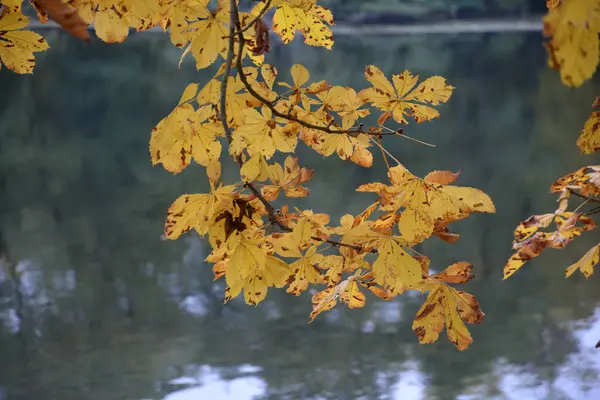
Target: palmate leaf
403, 99
425, 203
448, 306
303, 16
16, 45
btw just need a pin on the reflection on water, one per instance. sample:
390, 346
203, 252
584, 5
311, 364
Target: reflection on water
94, 305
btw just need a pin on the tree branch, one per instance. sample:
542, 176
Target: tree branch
587, 198
290, 117
233, 17
233, 22
255, 19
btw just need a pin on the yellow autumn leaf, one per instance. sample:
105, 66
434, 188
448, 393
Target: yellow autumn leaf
449, 307
586, 263
394, 268
425, 203
347, 291
404, 99
11, 3
589, 140
573, 27
198, 211
305, 271
110, 23
185, 134
289, 179
585, 180
347, 147
248, 267
262, 133
255, 169
304, 16
17, 46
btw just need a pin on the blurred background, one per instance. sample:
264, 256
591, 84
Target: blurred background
93, 305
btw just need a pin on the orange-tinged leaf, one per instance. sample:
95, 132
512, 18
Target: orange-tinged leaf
447, 306
66, 16
459, 272
441, 177
402, 98
289, 179
586, 263
426, 204
532, 247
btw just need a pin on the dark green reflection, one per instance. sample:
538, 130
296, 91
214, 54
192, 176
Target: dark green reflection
82, 211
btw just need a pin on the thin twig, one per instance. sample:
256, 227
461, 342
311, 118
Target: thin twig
289, 117
387, 164
388, 153
223, 98
233, 22
255, 19
587, 198
401, 134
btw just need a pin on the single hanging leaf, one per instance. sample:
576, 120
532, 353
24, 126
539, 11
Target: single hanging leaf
17, 46
304, 16
111, 24
586, 263
573, 27
289, 179
66, 16
449, 307
402, 98
589, 140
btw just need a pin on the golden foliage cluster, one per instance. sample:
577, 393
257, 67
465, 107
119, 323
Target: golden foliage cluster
252, 115
248, 112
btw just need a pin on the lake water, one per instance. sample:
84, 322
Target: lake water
107, 310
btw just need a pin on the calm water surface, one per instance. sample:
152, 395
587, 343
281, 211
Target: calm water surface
106, 310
